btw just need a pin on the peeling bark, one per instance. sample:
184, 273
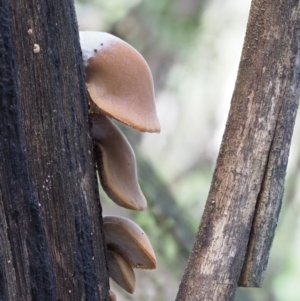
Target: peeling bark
51, 241
247, 185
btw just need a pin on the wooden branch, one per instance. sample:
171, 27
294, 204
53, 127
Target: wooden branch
270, 197
51, 241
271, 194
267, 89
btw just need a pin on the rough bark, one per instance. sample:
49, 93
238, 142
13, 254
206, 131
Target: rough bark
270, 197
51, 242
252, 161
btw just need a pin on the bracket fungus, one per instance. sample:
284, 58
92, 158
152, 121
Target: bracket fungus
117, 165
126, 238
119, 80
120, 85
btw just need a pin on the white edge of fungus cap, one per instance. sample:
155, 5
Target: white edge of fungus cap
90, 41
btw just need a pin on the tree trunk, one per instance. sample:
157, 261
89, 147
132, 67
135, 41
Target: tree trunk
247, 186
51, 240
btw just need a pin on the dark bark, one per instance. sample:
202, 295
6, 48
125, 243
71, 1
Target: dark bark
51, 242
247, 185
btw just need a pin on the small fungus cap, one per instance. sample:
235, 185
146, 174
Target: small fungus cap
126, 238
117, 165
112, 296
119, 80
121, 271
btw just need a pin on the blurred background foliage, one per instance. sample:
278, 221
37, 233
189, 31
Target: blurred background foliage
193, 49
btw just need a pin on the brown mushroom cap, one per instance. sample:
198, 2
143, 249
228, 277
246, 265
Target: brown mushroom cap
112, 296
117, 165
121, 271
126, 238
119, 80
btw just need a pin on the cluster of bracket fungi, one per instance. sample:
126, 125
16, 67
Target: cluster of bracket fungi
120, 86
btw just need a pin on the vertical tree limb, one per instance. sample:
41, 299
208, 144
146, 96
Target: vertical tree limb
270, 197
251, 161
51, 242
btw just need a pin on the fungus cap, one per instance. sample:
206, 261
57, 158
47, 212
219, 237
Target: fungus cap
117, 165
112, 296
126, 238
119, 80
121, 271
